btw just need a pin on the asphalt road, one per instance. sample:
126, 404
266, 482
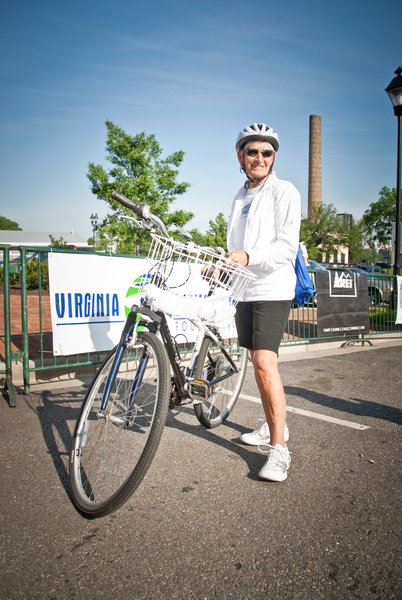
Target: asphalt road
202, 525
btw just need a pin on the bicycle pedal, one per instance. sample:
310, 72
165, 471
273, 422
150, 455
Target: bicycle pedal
199, 390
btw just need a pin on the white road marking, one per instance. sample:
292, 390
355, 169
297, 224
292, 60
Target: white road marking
314, 415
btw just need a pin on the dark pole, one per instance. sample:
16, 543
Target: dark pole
397, 266
394, 91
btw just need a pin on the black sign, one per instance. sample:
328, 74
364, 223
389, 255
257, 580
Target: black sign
342, 303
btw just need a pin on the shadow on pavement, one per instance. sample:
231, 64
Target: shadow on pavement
57, 416
354, 406
253, 459
58, 412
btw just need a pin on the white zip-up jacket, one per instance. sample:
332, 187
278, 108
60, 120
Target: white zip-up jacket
271, 237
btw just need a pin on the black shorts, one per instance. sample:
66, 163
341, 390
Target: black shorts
261, 324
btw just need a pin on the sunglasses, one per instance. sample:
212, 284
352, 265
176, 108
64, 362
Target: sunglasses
253, 152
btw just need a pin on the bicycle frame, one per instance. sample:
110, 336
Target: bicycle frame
156, 323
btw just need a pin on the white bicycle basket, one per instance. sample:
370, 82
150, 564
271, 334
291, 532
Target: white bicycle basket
189, 281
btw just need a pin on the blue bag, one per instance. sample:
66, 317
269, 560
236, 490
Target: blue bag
304, 287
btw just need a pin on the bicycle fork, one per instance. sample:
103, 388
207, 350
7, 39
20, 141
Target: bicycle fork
130, 330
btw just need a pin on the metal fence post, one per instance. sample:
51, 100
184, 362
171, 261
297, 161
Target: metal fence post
24, 321
9, 386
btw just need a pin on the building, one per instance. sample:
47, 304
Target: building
345, 218
38, 239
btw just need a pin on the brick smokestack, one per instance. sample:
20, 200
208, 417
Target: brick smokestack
314, 165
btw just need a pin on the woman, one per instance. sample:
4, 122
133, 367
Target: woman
263, 234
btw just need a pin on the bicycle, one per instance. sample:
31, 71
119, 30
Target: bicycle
124, 412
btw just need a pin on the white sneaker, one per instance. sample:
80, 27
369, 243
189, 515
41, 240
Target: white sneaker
278, 463
260, 435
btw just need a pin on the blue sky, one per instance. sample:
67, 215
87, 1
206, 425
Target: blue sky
194, 74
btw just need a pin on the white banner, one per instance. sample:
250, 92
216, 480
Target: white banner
90, 297
399, 300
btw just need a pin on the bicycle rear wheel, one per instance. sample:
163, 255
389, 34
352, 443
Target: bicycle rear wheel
211, 365
111, 454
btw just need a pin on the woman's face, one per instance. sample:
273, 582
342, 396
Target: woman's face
258, 166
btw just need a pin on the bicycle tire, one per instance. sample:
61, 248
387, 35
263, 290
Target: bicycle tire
110, 455
211, 363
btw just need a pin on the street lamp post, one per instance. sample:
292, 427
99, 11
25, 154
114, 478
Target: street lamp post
389, 242
394, 91
372, 248
94, 223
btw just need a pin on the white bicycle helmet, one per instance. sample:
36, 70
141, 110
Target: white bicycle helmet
257, 131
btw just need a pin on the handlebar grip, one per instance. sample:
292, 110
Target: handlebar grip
221, 251
142, 210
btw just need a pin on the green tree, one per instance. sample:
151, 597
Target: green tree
216, 235
57, 243
380, 215
198, 238
7, 224
353, 235
306, 235
370, 256
323, 233
139, 172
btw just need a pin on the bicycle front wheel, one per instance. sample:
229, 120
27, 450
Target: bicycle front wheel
225, 383
111, 453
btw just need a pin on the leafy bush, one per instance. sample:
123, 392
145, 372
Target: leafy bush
382, 315
14, 277
32, 276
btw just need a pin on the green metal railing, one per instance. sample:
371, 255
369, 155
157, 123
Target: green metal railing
17, 339
8, 384
12, 271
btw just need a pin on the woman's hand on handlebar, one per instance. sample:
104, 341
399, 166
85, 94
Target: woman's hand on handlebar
239, 257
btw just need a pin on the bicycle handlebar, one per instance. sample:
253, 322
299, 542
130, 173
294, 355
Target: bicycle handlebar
142, 210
